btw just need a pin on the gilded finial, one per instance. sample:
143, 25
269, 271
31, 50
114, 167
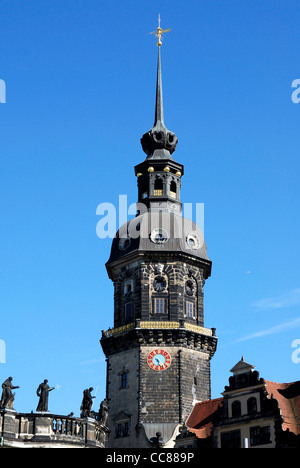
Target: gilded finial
158, 33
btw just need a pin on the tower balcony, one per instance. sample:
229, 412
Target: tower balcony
158, 325
163, 333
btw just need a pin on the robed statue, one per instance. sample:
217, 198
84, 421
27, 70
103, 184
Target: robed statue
7, 398
87, 403
103, 412
43, 393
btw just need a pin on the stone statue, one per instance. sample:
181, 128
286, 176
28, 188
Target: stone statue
103, 413
43, 393
7, 398
87, 403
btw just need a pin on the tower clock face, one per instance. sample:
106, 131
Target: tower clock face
159, 359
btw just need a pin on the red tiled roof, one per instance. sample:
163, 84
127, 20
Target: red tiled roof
288, 397
200, 420
287, 394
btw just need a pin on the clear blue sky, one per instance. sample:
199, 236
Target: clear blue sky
80, 83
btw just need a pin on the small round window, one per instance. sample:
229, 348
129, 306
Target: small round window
192, 241
159, 284
159, 236
189, 288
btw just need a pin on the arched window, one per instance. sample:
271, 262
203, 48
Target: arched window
158, 187
251, 405
173, 192
159, 292
143, 189
236, 409
144, 193
128, 287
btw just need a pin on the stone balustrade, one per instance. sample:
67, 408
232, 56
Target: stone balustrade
49, 430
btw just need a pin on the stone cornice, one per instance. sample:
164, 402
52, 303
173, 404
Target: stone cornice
152, 333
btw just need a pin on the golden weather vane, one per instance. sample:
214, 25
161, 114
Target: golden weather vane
158, 33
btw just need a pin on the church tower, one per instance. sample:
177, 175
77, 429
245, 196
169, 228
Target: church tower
158, 351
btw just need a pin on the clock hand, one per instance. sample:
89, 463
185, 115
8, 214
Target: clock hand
159, 361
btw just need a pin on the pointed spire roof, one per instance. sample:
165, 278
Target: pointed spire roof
159, 108
159, 139
241, 367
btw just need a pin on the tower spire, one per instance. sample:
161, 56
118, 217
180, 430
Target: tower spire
159, 109
159, 137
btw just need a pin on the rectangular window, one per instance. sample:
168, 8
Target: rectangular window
126, 429
231, 439
128, 310
122, 429
159, 306
158, 192
189, 309
260, 435
124, 380
119, 430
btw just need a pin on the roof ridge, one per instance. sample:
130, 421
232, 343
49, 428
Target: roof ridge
209, 401
281, 383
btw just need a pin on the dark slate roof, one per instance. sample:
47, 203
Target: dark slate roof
141, 232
